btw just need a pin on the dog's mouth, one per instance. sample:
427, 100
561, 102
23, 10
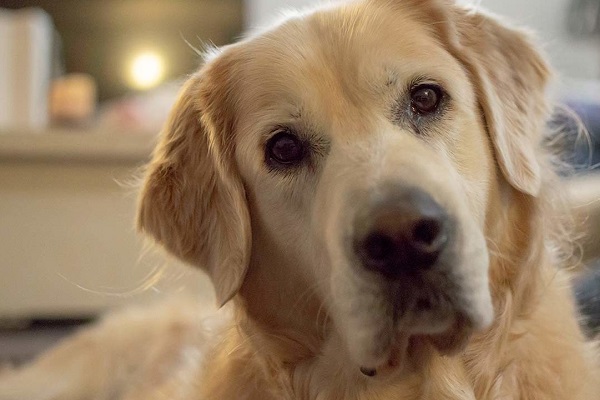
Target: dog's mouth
416, 338
409, 351
426, 319
435, 321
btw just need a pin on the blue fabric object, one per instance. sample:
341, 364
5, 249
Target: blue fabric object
586, 155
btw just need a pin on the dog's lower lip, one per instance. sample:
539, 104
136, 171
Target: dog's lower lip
370, 372
404, 350
396, 358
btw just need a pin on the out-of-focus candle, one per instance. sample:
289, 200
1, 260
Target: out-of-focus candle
73, 99
147, 71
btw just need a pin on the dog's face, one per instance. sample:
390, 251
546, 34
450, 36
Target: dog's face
366, 158
357, 148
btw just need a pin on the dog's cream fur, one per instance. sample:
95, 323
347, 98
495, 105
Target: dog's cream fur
306, 318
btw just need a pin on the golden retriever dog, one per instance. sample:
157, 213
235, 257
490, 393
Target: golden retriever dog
365, 184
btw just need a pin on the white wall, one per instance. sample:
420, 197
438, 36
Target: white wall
260, 12
572, 58
576, 58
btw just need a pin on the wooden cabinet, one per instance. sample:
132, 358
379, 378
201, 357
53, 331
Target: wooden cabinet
68, 247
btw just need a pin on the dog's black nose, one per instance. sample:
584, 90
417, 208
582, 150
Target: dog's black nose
403, 232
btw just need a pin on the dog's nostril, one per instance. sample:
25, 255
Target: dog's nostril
370, 372
423, 305
378, 248
427, 232
427, 240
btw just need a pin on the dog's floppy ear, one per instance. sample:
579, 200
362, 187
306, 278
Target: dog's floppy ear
192, 201
510, 77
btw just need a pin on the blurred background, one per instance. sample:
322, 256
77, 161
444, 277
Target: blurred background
85, 86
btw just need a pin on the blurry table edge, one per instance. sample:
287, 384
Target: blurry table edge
75, 145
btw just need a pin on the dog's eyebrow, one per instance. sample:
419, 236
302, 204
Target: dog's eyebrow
391, 78
388, 80
296, 114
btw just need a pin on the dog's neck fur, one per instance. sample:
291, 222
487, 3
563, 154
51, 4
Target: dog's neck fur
274, 347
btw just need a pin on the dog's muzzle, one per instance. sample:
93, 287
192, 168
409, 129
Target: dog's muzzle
405, 237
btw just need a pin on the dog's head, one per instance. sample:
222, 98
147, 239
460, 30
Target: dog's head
355, 148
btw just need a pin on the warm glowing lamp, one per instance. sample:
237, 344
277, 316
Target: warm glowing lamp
146, 71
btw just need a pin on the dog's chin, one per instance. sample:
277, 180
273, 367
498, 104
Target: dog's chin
417, 337
395, 325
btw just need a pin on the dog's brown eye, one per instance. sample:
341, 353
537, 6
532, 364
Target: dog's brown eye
284, 148
425, 99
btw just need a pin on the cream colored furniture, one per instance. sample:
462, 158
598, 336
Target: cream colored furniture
68, 246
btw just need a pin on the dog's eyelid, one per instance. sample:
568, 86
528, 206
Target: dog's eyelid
269, 133
305, 134
282, 129
425, 80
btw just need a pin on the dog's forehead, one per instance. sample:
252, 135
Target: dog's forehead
336, 59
